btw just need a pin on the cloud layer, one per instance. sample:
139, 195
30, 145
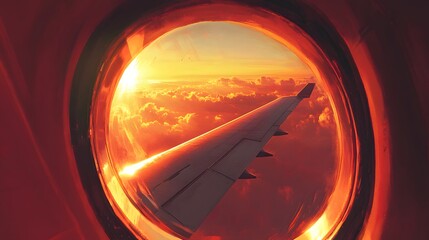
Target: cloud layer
291, 187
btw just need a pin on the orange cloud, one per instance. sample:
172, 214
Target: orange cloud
182, 110
151, 112
325, 118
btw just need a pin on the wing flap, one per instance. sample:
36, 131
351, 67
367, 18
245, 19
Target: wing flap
192, 206
233, 164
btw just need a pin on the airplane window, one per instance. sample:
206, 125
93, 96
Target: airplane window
198, 77
169, 128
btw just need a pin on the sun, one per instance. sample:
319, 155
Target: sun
134, 77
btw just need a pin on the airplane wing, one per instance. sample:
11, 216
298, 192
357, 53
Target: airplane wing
183, 184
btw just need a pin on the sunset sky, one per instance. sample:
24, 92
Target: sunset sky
198, 77
215, 50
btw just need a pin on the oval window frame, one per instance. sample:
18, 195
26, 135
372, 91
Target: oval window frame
129, 15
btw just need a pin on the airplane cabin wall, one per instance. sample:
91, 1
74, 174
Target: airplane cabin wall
40, 43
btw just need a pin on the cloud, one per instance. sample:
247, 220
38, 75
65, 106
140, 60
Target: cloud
151, 112
325, 118
267, 81
289, 84
185, 119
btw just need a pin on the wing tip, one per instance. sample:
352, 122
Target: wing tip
306, 91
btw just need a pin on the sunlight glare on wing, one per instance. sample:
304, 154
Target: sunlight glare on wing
130, 170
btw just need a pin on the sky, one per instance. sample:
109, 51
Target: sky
200, 76
217, 49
